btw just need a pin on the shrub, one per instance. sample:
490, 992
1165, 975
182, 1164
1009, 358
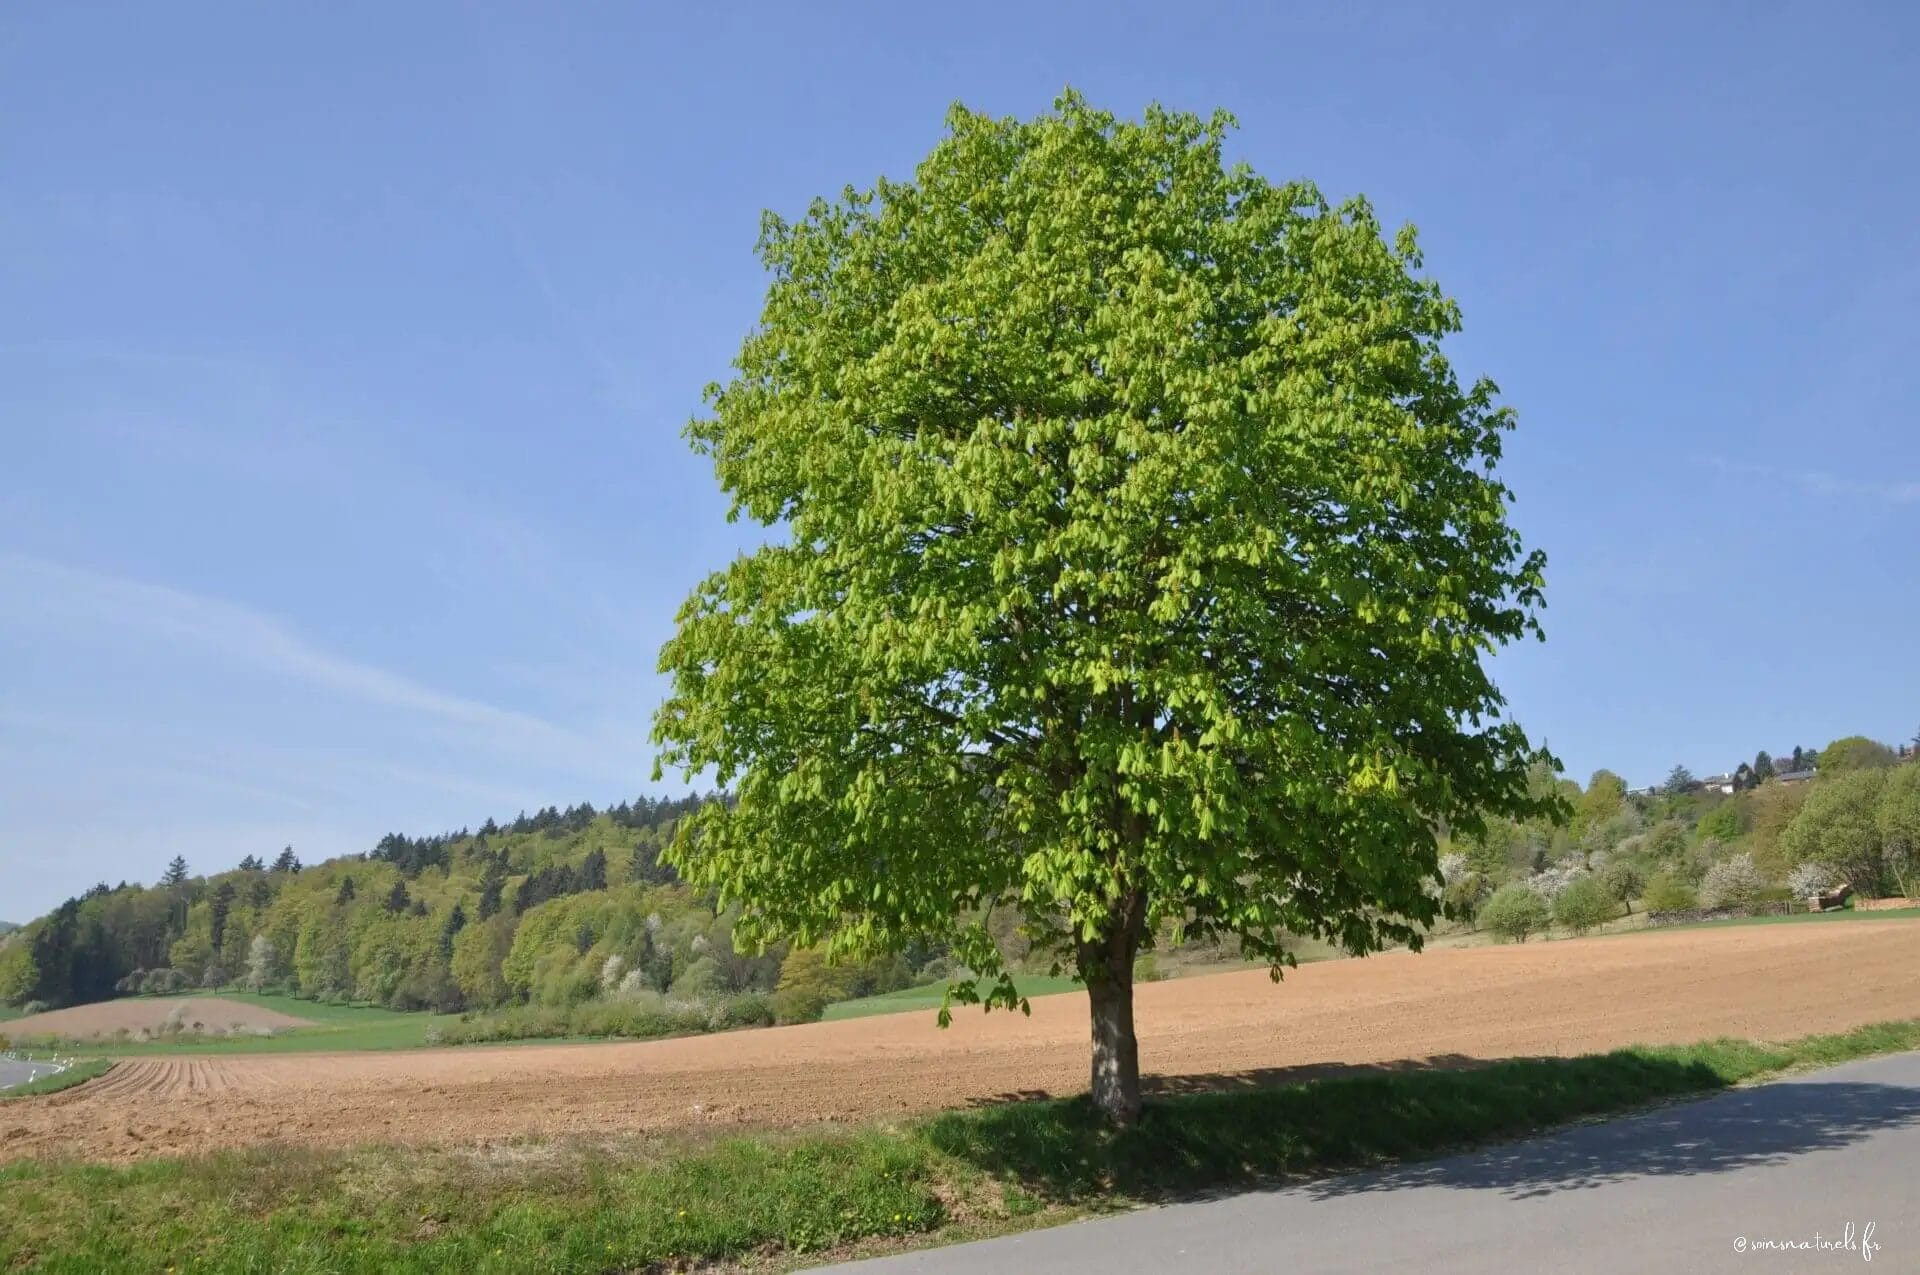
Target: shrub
1624, 880
165, 981
803, 1004
642, 1018
1463, 895
1667, 840
1585, 904
698, 980
883, 974
33, 1007
940, 969
808, 984
1692, 865
1146, 968
1722, 823
1667, 893
749, 1009
1514, 912
1732, 883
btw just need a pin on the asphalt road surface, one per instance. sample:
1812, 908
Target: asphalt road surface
1702, 1187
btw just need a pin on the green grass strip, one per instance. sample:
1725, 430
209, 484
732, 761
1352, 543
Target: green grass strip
640, 1203
1791, 918
929, 997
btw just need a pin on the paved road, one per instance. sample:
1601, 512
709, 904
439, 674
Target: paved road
1672, 1190
18, 1073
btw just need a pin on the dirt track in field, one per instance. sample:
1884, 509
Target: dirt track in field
1440, 1008
203, 1013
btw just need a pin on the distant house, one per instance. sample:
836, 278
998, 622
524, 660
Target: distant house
1795, 776
1718, 783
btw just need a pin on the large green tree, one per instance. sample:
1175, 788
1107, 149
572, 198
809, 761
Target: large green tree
1855, 752
1138, 550
1606, 793
1897, 819
1838, 826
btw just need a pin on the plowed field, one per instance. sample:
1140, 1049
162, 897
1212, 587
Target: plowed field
1441, 1008
201, 1013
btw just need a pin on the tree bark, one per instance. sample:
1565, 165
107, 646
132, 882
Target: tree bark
1116, 1052
1107, 968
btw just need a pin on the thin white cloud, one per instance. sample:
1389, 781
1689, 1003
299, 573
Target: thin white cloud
35, 589
304, 778
1822, 483
21, 757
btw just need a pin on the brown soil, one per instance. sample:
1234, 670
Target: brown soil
203, 1014
1440, 1008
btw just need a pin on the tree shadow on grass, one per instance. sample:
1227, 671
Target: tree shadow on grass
1273, 1077
1211, 1134
1254, 1078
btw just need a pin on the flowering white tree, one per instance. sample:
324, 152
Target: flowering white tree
262, 956
1549, 882
1732, 883
1809, 879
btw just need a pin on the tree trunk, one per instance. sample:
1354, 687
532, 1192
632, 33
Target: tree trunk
1107, 968
1116, 1052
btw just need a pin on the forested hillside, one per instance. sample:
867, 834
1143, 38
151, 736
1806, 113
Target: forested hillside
427, 922
549, 912
576, 905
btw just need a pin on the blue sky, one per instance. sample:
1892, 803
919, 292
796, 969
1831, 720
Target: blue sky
345, 351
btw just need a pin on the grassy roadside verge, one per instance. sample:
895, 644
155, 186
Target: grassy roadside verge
78, 1074
773, 1199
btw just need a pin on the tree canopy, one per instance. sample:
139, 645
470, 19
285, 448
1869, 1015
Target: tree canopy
1140, 552
1837, 826
1855, 752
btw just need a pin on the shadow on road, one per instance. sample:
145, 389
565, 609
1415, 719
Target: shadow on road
1203, 1135
1747, 1128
